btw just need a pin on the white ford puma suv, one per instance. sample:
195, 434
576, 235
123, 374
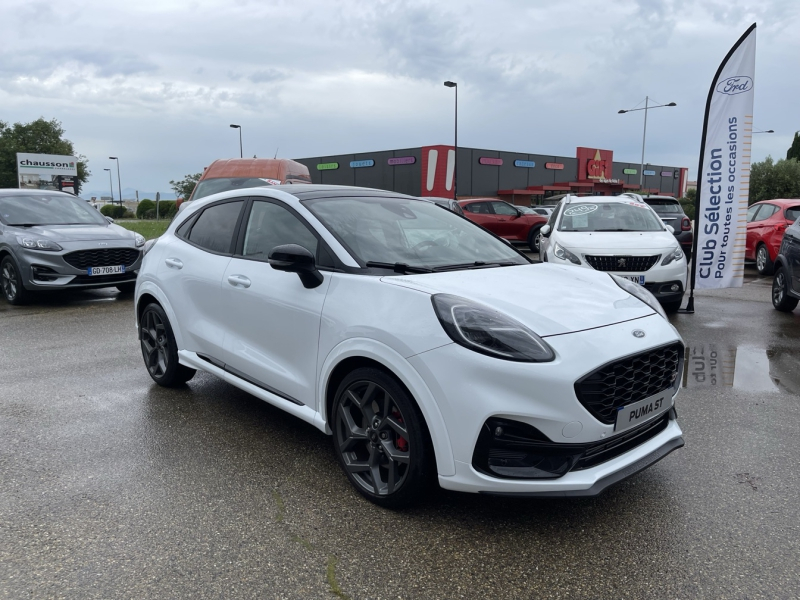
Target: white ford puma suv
427, 347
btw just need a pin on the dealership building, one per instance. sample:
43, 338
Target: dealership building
519, 178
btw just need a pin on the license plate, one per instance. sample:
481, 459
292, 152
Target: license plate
634, 278
116, 270
644, 410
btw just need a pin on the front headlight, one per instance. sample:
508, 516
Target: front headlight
139, 240
634, 289
482, 329
38, 244
564, 254
676, 254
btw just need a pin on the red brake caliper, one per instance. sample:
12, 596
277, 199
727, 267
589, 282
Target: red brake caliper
400, 442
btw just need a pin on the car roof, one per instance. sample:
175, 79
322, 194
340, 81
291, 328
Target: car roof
310, 191
783, 202
17, 191
468, 200
249, 167
670, 198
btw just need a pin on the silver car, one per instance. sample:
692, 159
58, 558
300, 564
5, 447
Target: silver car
54, 240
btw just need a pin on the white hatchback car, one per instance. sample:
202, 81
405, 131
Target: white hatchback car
425, 345
622, 235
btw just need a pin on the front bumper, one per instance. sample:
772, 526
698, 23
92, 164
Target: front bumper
42, 270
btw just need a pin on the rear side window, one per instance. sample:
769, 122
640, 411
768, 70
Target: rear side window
793, 213
213, 229
751, 212
767, 210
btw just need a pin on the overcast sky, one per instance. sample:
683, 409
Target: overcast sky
157, 83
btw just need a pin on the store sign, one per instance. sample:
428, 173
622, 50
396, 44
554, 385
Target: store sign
554, 166
525, 164
485, 160
611, 181
47, 172
630, 171
666, 173
646, 172
356, 164
327, 166
403, 160
594, 163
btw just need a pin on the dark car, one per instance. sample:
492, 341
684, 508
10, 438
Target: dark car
766, 222
53, 241
448, 203
671, 213
505, 220
786, 283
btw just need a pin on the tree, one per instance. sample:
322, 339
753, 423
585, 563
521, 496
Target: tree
770, 180
687, 202
185, 186
38, 137
794, 149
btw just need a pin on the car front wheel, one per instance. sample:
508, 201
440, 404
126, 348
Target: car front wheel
764, 263
535, 239
781, 299
11, 282
159, 350
380, 439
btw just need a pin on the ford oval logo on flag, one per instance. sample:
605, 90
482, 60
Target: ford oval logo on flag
735, 85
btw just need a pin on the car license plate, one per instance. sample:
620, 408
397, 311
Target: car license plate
106, 270
644, 410
634, 278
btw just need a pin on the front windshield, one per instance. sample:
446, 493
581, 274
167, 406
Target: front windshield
36, 209
412, 232
223, 184
609, 216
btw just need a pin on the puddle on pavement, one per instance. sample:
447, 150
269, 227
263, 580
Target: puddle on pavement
745, 368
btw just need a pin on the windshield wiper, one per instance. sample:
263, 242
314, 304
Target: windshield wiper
615, 230
398, 267
478, 264
24, 224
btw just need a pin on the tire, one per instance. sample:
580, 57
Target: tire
672, 307
385, 453
159, 350
534, 238
11, 283
764, 264
781, 299
126, 288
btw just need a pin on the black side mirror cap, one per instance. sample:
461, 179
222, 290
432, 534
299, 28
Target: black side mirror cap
293, 258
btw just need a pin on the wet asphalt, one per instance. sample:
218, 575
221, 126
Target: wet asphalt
111, 487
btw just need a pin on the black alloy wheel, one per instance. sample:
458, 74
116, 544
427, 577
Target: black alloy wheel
11, 282
781, 299
159, 349
764, 264
380, 439
535, 238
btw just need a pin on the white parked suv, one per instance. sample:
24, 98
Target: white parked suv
620, 235
427, 347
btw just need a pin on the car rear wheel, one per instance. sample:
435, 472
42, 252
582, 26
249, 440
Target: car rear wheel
380, 439
781, 299
764, 263
535, 238
159, 350
11, 282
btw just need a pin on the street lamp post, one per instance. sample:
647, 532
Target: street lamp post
239, 127
644, 133
119, 181
453, 84
110, 185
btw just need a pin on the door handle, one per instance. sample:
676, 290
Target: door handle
239, 281
175, 263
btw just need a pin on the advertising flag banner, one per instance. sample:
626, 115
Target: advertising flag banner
47, 172
724, 172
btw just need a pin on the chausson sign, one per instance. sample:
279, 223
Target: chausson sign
47, 172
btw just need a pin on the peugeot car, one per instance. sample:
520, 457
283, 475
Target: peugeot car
54, 241
429, 349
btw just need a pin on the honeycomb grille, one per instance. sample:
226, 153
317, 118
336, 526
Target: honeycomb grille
622, 263
107, 257
629, 380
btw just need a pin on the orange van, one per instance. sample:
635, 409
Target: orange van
239, 173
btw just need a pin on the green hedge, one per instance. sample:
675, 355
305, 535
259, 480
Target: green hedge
144, 206
115, 211
147, 209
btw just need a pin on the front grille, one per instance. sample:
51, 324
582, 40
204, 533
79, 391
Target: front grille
98, 279
622, 263
629, 380
106, 257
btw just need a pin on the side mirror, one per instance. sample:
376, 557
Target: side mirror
545, 231
670, 228
296, 259
109, 219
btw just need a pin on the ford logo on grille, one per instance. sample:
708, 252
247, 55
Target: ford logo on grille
638, 333
102, 244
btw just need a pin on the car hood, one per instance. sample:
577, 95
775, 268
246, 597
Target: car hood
77, 233
550, 299
611, 242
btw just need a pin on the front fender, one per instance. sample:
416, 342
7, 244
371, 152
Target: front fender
150, 287
402, 369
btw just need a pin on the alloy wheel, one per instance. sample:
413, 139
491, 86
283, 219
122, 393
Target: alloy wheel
537, 241
155, 344
761, 258
372, 438
9, 280
777, 288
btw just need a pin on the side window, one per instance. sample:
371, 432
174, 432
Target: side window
273, 225
793, 213
213, 229
183, 230
501, 208
766, 212
479, 208
554, 215
751, 212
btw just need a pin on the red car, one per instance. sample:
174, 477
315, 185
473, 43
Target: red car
766, 222
505, 220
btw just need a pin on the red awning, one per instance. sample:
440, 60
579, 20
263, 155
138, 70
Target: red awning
557, 187
528, 192
630, 186
581, 184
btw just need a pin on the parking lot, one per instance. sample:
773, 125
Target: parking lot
115, 488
